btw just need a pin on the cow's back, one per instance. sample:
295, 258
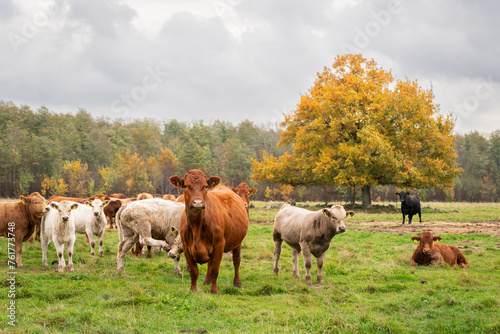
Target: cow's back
12, 212
81, 217
160, 214
225, 207
290, 221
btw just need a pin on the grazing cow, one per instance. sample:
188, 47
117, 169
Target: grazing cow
18, 221
168, 197
176, 246
144, 196
429, 253
213, 222
150, 222
309, 232
58, 226
244, 192
410, 205
89, 219
110, 211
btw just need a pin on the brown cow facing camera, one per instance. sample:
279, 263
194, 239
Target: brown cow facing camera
214, 222
244, 192
429, 253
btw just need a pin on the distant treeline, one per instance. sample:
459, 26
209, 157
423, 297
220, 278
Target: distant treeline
79, 155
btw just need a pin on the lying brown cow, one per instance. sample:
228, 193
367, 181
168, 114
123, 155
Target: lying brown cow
213, 222
18, 220
429, 253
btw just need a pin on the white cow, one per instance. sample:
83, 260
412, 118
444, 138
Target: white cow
91, 220
58, 226
150, 222
309, 232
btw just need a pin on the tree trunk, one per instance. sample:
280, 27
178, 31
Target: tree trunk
367, 200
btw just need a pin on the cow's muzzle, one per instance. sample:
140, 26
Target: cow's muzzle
96, 214
341, 229
171, 255
65, 219
197, 204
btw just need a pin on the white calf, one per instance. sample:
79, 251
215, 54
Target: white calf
90, 220
58, 226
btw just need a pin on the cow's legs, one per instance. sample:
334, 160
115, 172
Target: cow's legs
403, 218
100, 238
420, 216
70, 255
306, 253
213, 265
410, 216
277, 251
147, 240
319, 262
177, 267
295, 260
236, 263
128, 241
60, 256
208, 279
90, 236
193, 270
44, 240
19, 249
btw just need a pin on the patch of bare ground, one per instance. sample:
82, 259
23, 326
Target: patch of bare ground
491, 228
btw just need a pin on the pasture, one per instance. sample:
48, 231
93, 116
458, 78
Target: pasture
369, 285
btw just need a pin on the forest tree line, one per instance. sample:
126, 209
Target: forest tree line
80, 155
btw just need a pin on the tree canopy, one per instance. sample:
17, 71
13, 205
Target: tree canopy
357, 126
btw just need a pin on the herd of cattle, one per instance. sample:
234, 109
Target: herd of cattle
205, 222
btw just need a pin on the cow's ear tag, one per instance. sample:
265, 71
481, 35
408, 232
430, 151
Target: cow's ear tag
87, 205
415, 240
173, 232
324, 212
74, 208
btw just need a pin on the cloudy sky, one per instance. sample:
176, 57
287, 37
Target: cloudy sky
239, 59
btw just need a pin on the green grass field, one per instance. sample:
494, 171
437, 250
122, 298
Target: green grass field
369, 286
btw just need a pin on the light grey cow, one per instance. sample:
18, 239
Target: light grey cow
309, 232
58, 226
150, 222
91, 220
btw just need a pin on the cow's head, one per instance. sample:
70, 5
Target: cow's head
176, 249
196, 186
35, 204
338, 216
97, 206
426, 240
64, 209
244, 192
402, 195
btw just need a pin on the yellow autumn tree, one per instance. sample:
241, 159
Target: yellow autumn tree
358, 127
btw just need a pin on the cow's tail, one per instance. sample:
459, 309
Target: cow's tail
119, 228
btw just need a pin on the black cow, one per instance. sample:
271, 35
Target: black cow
410, 205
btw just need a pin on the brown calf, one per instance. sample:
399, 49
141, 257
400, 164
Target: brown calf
429, 253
